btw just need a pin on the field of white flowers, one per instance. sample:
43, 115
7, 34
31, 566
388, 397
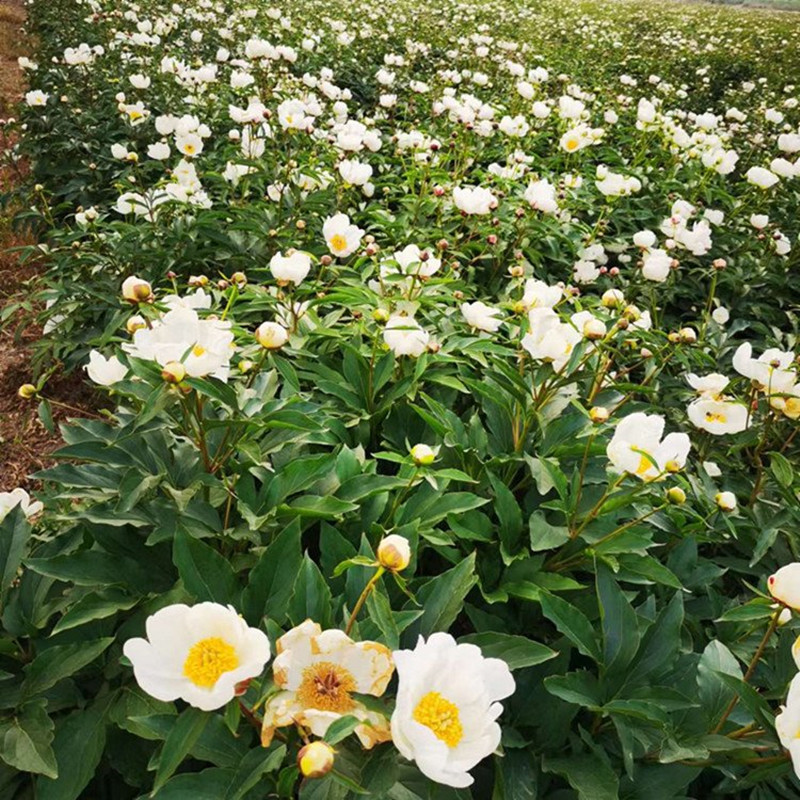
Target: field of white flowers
451, 356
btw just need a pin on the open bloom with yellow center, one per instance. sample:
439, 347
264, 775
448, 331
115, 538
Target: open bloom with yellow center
718, 416
341, 236
445, 718
637, 447
318, 672
787, 724
197, 653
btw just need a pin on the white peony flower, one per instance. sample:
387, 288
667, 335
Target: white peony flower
405, 336
637, 447
203, 346
718, 416
318, 672
291, 268
474, 200
342, 237
446, 711
105, 371
479, 315
197, 654
18, 497
548, 338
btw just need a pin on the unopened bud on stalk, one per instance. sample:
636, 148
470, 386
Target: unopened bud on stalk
672, 466
394, 552
676, 496
135, 290
239, 278
380, 315
271, 336
725, 500
135, 323
246, 366
315, 759
599, 414
688, 335
173, 372
423, 455
27, 391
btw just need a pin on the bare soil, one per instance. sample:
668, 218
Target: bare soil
25, 444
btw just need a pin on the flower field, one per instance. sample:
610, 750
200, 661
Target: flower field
448, 362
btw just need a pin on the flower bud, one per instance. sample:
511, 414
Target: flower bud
784, 585
135, 323
315, 759
725, 500
599, 414
422, 454
239, 278
676, 496
672, 467
135, 290
27, 391
173, 372
594, 329
394, 552
272, 336
246, 366
380, 315
688, 335
516, 270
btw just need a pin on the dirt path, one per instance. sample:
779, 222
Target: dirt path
25, 444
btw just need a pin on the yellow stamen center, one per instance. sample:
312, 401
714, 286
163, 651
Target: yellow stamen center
326, 686
208, 659
712, 417
441, 716
198, 350
338, 243
571, 144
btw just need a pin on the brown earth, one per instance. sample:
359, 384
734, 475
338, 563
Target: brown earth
25, 443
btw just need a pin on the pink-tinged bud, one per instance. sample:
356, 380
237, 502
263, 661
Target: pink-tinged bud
784, 585
492, 239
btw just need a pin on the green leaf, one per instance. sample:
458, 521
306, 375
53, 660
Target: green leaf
782, 469
25, 742
269, 587
619, 623
588, 775
517, 651
185, 732
714, 693
340, 729
545, 536
443, 596
509, 514
96, 605
210, 784
59, 662
580, 688
205, 573
252, 768
78, 745
312, 597
15, 533
572, 623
